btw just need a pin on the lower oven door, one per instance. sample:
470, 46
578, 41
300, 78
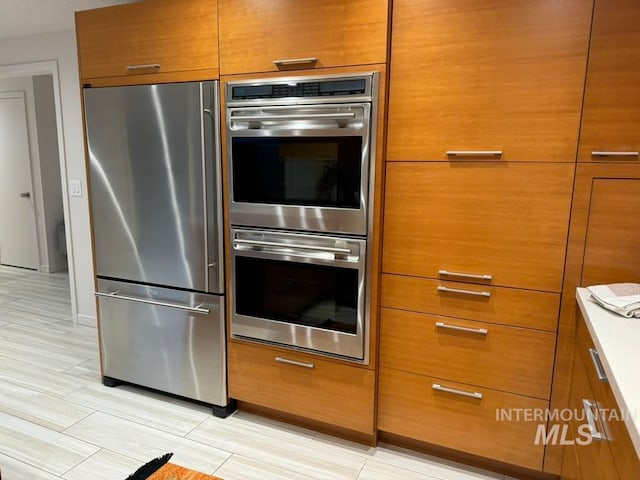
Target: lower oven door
303, 291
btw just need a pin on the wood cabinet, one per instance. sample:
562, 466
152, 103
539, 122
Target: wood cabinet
266, 36
458, 416
503, 221
304, 385
485, 75
150, 41
611, 113
610, 454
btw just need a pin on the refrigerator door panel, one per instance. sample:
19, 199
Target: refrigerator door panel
169, 340
148, 189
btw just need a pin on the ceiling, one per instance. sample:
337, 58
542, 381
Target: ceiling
19, 18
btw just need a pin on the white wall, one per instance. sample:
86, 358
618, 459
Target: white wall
51, 258
61, 47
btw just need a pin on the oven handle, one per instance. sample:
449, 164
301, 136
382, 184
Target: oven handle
295, 116
263, 243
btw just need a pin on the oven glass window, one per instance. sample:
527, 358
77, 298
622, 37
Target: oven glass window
303, 294
313, 171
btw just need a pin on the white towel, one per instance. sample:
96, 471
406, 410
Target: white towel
621, 298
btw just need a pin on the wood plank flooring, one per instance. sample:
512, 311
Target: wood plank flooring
57, 421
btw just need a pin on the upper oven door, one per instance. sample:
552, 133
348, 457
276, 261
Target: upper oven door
300, 167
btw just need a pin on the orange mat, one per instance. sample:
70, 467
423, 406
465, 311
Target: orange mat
176, 472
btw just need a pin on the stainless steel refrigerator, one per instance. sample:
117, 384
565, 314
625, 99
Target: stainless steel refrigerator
155, 191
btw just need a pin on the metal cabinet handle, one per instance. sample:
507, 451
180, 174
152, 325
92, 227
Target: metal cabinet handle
465, 275
295, 61
294, 362
614, 154
591, 419
25, 195
455, 391
263, 243
147, 66
479, 331
442, 288
595, 358
117, 296
474, 153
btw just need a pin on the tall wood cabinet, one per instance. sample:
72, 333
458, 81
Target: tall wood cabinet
266, 36
148, 42
482, 136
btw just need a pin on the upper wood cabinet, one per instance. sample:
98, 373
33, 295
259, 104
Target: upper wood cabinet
612, 98
256, 34
487, 75
149, 39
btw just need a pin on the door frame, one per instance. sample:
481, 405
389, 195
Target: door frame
20, 94
51, 68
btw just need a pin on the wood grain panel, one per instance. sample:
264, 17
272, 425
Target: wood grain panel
570, 468
611, 248
254, 33
506, 220
508, 306
509, 359
487, 75
178, 35
594, 458
329, 392
409, 406
612, 97
622, 449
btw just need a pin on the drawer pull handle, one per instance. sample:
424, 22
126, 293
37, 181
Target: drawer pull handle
480, 331
591, 419
148, 66
614, 154
595, 358
442, 288
474, 153
293, 362
455, 391
294, 61
465, 275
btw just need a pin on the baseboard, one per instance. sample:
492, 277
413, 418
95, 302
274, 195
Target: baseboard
52, 268
87, 320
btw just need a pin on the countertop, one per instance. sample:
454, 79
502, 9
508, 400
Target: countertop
617, 340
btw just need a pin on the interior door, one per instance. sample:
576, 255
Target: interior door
18, 238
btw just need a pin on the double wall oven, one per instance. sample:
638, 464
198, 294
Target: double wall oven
301, 155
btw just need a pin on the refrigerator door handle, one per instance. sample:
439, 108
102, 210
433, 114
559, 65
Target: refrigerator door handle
117, 296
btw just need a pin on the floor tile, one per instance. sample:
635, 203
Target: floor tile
38, 378
40, 447
51, 339
140, 408
13, 469
144, 443
241, 468
40, 355
88, 370
373, 470
280, 448
39, 408
428, 465
104, 465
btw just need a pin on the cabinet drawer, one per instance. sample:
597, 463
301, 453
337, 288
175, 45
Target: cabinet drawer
508, 306
254, 35
328, 392
409, 406
164, 35
459, 83
622, 449
508, 221
503, 358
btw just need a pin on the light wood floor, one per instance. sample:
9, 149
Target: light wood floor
57, 421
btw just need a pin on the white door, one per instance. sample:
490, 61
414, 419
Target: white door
18, 239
